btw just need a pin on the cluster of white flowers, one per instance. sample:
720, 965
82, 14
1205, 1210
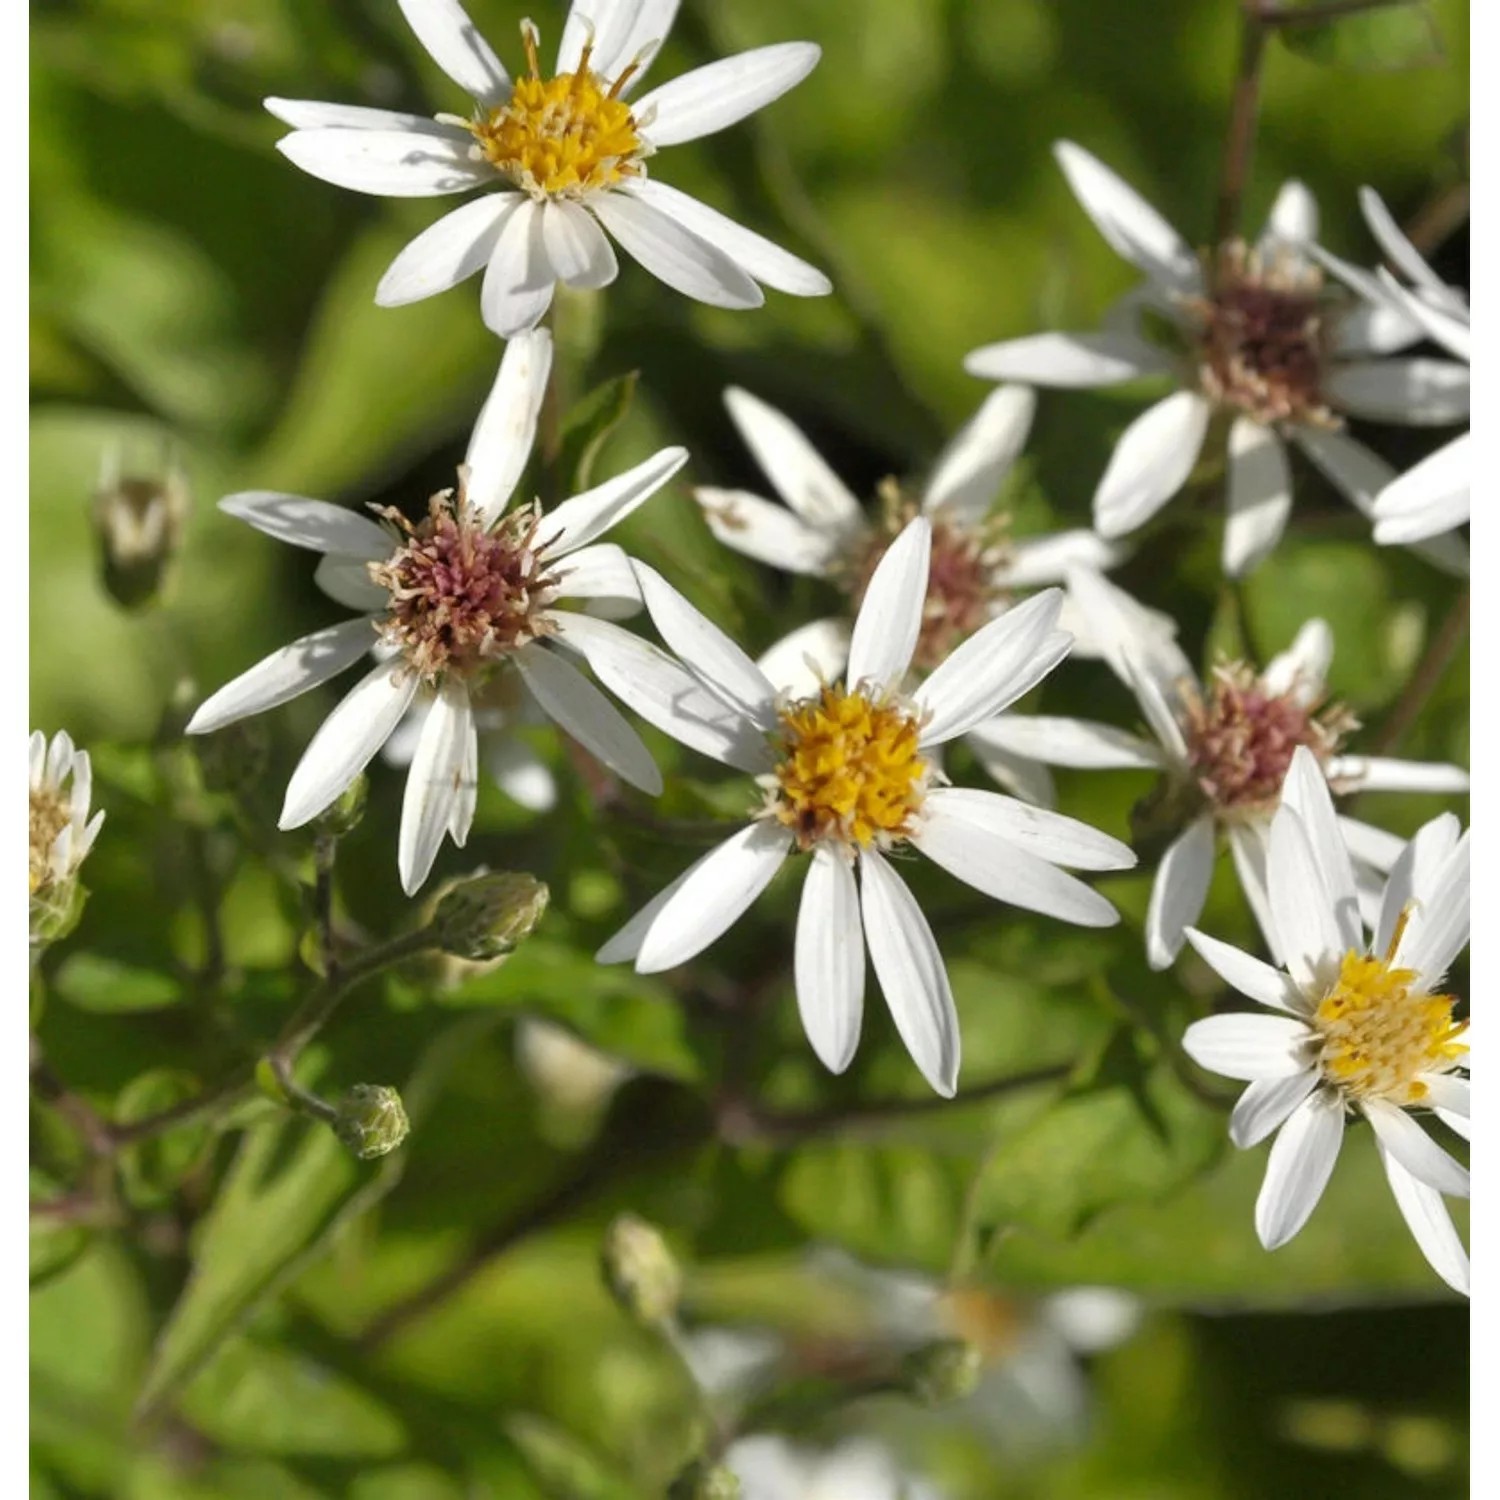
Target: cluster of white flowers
483, 610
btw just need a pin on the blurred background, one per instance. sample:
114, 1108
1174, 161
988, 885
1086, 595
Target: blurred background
198, 303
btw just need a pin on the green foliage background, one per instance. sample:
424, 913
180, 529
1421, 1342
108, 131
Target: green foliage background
189, 284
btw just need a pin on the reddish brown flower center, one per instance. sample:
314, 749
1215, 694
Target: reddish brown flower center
1261, 349
462, 595
1242, 739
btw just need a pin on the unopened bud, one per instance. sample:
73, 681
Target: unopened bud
641, 1271
343, 816
234, 759
54, 911
371, 1120
942, 1372
702, 1480
487, 916
138, 521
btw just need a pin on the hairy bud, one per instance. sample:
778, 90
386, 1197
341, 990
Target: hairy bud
487, 916
941, 1372
641, 1271
54, 912
371, 1120
702, 1480
138, 522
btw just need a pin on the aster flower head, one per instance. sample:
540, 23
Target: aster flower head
561, 161
1225, 747
847, 778
1261, 346
448, 603
62, 832
1359, 1028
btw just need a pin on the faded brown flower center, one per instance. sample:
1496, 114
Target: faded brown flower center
51, 812
1262, 343
462, 595
1241, 739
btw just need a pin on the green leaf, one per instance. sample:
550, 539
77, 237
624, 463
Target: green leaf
93, 982
153, 1168
564, 1464
1378, 41
589, 425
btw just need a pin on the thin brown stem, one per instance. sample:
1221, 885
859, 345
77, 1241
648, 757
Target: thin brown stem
1425, 679
1243, 113
93, 1129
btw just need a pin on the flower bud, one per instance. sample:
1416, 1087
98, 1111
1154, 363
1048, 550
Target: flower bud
944, 1371
234, 759
342, 818
487, 916
371, 1120
702, 1480
138, 521
54, 912
641, 1271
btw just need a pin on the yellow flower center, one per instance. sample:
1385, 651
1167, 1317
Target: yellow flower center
563, 136
1379, 1034
50, 814
851, 770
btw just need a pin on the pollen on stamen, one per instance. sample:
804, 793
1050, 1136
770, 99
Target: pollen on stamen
850, 770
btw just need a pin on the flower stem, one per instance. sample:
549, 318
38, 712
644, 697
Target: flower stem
1242, 119
1424, 680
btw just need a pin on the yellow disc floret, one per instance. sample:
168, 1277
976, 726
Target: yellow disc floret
561, 137
1380, 1034
851, 769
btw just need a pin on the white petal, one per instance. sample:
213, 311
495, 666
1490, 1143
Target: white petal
601, 572
347, 580
1112, 625
707, 652
890, 615
38, 758
577, 522
981, 856
314, 524
520, 773
1398, 249
1027, 779
911, 973
1409, 1144
1430, 498
813, 654
664, 693
1247, 974
1151, 462
626, 943
466, 796
1446, 325
284, 674
1448, 1098
458, 246
434, 783
1302, 668
1249, 1046
389, 163
721, 93
1432, 1228
506, 428
1035, 560
1249, 848
1048, 835
994, 667
519, 280
1376, 773
347, 742
1374, 846
969, 470
1179, 891
578, 248
768, 532
796, 470
580, 709
830, 959
1364, 328
1068, 360
1158, 712
1415, 392
453, 43
1265, 1105
313, 114
718, 889
622, 32
1439, 930
1294, 216
672, 254
1414, 874
1131, 226
1305, 791
1309, 940
1259, 496
1301, 1162
1080, 743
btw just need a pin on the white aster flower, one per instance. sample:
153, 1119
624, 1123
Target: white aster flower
771, 1468
448, 603
563, 160
1255, 341
62, 832
1358, 1029
1225, 748
848, 779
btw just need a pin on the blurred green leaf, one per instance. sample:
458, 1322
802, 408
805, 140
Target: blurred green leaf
589, 425
564, 1464
1397, 36
154, 1168
93, 982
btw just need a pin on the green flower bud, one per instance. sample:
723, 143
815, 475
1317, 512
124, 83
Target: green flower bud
343, 817
702, 1480
487, 916
941, 1372
371, 1120
138, 522
641, 1271
234, 759
55, 910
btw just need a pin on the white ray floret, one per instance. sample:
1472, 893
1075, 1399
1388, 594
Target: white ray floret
561, 163
849, 777
771, 1468
461, 608
1355, 1028
62, 832
1254, 337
